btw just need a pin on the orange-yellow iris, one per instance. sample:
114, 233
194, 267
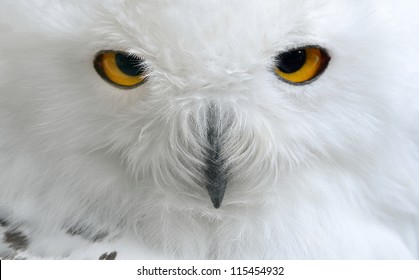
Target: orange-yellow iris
107, 66
315, 62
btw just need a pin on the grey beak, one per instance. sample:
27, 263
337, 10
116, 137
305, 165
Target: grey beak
215, 171
216, 181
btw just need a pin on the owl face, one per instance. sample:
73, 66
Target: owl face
207, 103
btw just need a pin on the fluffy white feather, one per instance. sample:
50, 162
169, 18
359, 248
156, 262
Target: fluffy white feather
325, 170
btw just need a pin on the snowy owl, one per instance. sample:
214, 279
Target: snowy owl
209, 129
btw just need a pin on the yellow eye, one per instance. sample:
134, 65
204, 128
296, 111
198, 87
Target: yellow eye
301, 65
120, 69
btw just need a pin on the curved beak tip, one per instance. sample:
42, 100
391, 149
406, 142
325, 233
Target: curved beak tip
216, 193
216, 203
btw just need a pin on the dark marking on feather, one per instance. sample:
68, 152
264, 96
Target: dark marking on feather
98, 237
83, 232
110, 256
74, 230
4, 222
16, 239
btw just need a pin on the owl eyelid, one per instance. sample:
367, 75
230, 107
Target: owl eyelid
128, 53
300, 47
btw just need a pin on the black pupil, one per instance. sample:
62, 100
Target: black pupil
129, 65
291, 62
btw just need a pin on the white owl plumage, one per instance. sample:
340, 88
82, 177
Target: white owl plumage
323, 170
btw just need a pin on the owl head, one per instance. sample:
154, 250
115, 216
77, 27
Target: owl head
202, 104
